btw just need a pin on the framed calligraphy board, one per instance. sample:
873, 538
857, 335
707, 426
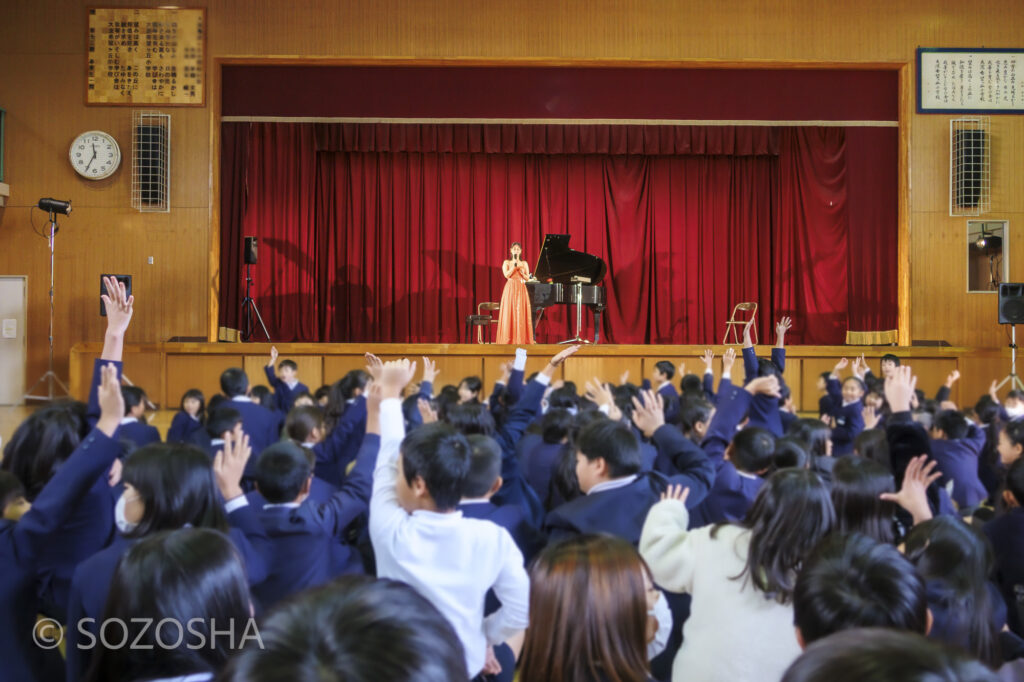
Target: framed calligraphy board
146, 56
970, 80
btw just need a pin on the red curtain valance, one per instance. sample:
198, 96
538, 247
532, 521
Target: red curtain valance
499, 138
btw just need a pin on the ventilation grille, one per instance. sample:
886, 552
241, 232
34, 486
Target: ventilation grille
151, 162
970, 167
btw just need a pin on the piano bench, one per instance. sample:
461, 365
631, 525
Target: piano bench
477, 321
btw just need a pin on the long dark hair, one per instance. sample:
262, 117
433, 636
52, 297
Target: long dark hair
790, 516
956, 559
857, 486
588, 613
340, 393
175, 587
177, 487
43, 442
872, 444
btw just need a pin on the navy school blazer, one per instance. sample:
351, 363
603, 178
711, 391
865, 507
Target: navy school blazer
284, 397
764, 409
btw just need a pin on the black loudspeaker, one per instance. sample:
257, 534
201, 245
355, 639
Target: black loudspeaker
1011, 303
127, 279
251, 255
151, 149
969, 166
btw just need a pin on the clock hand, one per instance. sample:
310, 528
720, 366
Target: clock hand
92, 159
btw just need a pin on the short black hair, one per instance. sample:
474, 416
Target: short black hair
813, 433
853, 581
301, 421
234, 382
555, 425
222, 419
474, 384
872, 444
563, 397
484, 465
666, 368
892, 358
860, 383
857, 487
355, 629
288, 363
790, 454
262, 396
440, 455
691, 384
470, 418
885, 655
195, 394
133, 396
281, 472
753, 450
615, 443
952, 423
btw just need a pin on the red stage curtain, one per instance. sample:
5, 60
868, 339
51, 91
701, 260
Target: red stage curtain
400, 246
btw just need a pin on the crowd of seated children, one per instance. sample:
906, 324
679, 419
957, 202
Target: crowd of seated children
547, 534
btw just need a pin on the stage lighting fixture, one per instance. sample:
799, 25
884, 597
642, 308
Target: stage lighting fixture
55, 205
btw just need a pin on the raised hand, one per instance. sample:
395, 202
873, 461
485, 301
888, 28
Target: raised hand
273, 356
768, 385
913, 494
556, 362
676, 492
427, 413
395, 375
708, 360
430, 370
110, 399
229, 464
649, 414
119, 305
601, 395
993, 390
728, 360
860, 367
783, 326
840, 366
624, 377
899, 389
506, 372
491, 664
871, 417
747, 328
952, 378
374, 367
374, 394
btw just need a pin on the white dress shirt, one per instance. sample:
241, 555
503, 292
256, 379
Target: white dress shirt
450, 560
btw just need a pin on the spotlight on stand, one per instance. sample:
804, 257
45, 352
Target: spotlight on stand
55, 205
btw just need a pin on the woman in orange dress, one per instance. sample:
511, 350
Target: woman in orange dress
515, 324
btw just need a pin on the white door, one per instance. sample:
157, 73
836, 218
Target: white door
12, 340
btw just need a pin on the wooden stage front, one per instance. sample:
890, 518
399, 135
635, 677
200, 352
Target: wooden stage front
167, 370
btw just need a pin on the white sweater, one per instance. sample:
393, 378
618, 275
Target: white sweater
734, 633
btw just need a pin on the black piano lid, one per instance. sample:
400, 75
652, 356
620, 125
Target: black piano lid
558, 263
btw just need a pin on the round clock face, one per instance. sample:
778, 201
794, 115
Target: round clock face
95, 155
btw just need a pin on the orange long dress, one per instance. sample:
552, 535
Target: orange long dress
515, 323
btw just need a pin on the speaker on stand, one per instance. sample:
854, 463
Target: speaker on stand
249, 309
1011, 312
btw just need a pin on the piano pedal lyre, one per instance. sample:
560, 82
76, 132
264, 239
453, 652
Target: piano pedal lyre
577, 288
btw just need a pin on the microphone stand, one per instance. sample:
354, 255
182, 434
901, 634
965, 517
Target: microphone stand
50, 377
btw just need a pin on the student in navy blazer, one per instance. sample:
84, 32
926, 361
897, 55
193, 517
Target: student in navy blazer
190, 418
956, 446
261, 424
847, 415
167, 486
483, 482
222, 419
661, 381
1005, 533
287, 386
134, 427
739, 458
22, 541
617, 495
306, 539
764, 409
541, 453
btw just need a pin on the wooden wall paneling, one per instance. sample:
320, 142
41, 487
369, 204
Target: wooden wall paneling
810, 371
146, 370
794, 379
192, 371
977, 372
583, 368
337, 366
311, 369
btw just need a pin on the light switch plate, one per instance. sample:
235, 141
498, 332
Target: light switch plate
10, 328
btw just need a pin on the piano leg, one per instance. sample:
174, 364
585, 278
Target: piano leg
597, 325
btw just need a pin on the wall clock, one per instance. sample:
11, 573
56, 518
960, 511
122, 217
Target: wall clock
95, 155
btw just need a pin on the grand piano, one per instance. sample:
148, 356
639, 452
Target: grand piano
561, 274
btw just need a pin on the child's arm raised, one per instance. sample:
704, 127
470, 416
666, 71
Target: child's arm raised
120, 307
750, 364
779, 351
268, 369
384, 415
665, 543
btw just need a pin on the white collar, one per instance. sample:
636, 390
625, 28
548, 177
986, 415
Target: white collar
216, 441
242, 399
308, 446
744, 474
129, 420
475, 500
612, 484
283, 505
845, 404
291, 384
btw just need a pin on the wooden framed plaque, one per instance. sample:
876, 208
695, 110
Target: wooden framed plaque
146, 56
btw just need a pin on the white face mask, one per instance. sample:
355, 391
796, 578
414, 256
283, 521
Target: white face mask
123, 524
1016, 411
